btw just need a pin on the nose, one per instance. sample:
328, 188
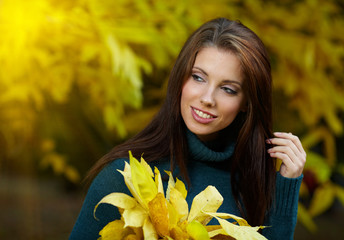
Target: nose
207, 98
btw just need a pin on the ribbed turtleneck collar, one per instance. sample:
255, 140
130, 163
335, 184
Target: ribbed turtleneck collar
199, 151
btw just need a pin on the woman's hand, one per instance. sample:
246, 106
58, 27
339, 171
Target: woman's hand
288, 148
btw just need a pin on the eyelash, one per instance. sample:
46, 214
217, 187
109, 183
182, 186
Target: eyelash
226, 89
197, 78
229, 90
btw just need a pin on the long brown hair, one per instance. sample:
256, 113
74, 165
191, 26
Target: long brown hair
253, 172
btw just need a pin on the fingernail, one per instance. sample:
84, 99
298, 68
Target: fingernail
268, 141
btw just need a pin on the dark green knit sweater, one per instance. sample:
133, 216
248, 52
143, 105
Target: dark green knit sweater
205, 167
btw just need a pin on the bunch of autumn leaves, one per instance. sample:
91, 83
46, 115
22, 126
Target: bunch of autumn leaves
149, 214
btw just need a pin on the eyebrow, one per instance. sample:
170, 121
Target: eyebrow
225, 81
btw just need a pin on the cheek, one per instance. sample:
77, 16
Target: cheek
188, 92
183, 97
231, 109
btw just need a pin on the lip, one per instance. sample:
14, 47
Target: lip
200, 119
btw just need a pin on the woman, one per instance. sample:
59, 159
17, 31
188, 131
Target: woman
214, 128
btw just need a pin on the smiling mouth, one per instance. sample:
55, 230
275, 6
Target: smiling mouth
202, 114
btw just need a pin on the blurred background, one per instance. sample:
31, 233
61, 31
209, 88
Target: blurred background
78, 77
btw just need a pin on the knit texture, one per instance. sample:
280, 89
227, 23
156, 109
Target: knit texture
202, 151
205, 167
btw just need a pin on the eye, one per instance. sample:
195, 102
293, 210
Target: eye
229, 90
197, 78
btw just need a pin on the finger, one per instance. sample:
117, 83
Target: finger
286, 150
288, 168
297, 161
286, 161
285, 143
292, 138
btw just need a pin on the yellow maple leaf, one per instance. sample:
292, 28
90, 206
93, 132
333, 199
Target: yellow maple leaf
142, 179
180, 186
209, 200
119, 200
158, 211
149, 215
178, 234
243, 231
158, 180
115, 230
179, 203
149, 231
239, 220
135, 217
197, 231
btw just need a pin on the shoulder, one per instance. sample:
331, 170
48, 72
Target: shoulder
109, 179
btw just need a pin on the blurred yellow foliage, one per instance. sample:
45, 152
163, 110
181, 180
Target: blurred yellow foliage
76, 73
57, 162
87, 53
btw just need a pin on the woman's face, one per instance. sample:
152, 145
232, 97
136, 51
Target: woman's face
213, 95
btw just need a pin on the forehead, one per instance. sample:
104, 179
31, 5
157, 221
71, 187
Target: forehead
219, 63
